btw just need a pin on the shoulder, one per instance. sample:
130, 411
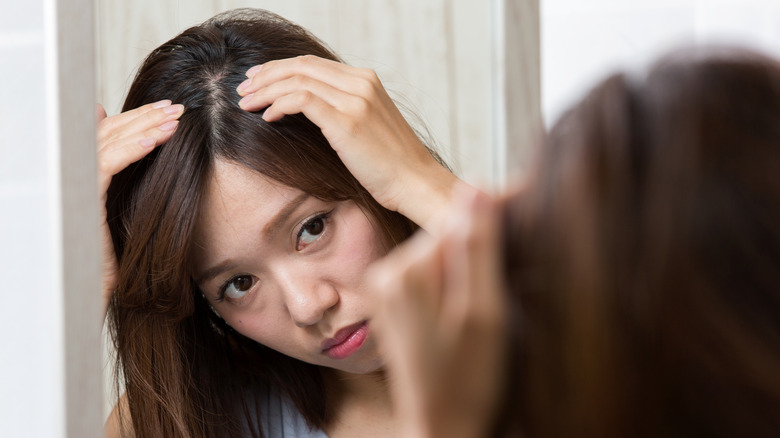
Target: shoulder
119, 424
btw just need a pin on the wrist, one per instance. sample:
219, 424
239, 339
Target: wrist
429, 198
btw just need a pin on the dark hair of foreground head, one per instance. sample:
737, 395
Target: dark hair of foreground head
645, 256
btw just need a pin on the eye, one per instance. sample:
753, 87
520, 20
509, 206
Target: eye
311, 230
237, 287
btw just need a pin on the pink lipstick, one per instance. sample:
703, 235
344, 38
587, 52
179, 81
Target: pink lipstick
346, 342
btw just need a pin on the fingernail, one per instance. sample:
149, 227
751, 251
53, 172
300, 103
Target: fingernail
243, 102
173, 109
161, 104
148, 142
244, 84
253, 71
169, 126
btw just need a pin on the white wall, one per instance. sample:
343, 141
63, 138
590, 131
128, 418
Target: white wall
49, 319
30, 322
582, 41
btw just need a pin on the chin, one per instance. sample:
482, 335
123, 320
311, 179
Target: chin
369, 366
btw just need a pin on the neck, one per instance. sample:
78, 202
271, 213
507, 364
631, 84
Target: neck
359, 400
370, 388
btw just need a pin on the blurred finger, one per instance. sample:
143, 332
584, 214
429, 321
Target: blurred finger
471, 268
407, 276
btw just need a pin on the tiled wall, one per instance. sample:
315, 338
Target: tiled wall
584, 40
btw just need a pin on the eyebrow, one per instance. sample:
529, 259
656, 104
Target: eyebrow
278, 221
214, 271
271, 228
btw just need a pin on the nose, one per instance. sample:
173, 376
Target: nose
307, 298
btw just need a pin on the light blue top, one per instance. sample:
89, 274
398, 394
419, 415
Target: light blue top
281, 419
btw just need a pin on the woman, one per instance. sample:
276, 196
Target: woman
643, 260
237, 297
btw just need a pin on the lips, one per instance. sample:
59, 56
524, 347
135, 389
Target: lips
346, 342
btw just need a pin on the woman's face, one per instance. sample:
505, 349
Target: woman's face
286, 269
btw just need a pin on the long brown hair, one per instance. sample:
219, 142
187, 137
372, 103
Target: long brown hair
645, 256
186, 372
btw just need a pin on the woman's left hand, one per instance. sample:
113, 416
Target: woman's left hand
362, 124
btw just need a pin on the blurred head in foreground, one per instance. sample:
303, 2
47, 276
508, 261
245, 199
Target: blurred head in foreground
645, 256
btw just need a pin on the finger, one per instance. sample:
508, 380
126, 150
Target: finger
266, 96
309, 104
149, 119
116, 156
141, 122
422, 279
116, 122
335, 74
262, 75
406, 283
471, 274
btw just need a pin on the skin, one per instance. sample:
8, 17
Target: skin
289, 293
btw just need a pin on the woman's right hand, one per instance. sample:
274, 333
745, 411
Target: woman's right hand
124, 139
363, 125
441, 322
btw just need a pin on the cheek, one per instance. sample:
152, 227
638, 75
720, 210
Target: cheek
360, 248
265, 328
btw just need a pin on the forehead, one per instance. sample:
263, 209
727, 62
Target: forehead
237, 196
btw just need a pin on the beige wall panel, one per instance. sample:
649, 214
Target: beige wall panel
79, 218
523, 125
470, 89
433, 55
